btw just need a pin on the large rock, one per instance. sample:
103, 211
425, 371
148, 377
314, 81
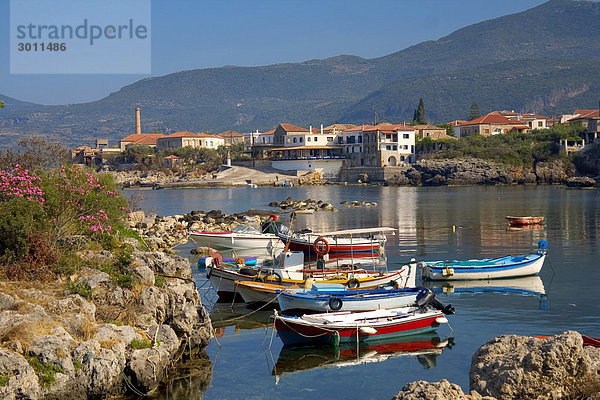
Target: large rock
442, 390
23, 382
518, 367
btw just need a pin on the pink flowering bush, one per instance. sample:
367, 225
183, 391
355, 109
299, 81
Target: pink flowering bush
41, 213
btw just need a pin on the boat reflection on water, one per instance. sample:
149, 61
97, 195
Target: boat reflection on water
238, 316
531, 227
525, 286
425, 347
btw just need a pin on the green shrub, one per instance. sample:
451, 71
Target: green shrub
140, 344
45, 371
80, 288
125, 281
159, 281
4, 379
76, 364
68, 263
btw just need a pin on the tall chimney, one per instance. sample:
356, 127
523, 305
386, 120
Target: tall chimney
138, 121
321, 129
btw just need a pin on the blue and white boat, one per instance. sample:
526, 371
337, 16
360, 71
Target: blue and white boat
487, 268
338, 298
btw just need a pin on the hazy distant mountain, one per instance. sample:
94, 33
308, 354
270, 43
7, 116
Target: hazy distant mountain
543, 86
509, 62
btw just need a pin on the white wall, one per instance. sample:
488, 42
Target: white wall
330, 168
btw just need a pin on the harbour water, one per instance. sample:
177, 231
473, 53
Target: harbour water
438, 223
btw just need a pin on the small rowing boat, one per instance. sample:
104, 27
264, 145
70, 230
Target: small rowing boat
487, 268
519, 221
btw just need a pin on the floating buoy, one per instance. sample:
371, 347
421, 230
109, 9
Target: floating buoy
441, 320
367, 330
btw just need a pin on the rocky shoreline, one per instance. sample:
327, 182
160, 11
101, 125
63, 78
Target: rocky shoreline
428, 172
113, 341
520, 367
105, 339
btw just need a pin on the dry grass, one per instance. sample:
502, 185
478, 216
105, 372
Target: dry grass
25, 291
27, 332
109, 343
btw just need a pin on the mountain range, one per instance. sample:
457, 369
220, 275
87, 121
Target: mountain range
544, 60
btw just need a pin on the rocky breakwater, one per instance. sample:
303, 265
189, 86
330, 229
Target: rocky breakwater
473, 171
520, 367
96, 336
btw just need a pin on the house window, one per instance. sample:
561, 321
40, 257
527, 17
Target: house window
289, 140
486, 130
360, 139
308, 139
395, 137
295, 140
394, 147
388, 147
540, 124
300, 140
340, 140
330, 138
388, 136
406, 135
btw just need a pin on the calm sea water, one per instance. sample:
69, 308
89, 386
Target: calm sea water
433, 223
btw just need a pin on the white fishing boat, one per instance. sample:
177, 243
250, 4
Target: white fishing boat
345, 326
241, 237
325, 299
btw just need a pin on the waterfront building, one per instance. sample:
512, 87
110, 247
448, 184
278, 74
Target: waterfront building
493, 123
388, 145
194, 140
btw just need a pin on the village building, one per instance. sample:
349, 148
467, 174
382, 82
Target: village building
184, 139
590, 119
388, 145
147, 139
172, 161
232, 138
493, 123
297, 148
431, 131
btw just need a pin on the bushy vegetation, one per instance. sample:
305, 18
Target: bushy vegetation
45, 371
48, 215
140, 344
518, 149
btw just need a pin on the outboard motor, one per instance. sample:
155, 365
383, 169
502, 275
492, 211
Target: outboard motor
426, 297
542, 246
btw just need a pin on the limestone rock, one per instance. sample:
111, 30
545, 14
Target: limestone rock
23, 382
518, 367
442, 390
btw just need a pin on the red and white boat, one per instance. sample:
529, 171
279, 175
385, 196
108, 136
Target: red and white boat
241, 237
520, 221
349, 241
348, 327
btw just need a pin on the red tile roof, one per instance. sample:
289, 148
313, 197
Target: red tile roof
229, 134
494, 118
292, 128
192, 135
268, 132
138, 136
359, 128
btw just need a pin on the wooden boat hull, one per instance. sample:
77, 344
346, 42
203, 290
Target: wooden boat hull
348, 300
505, 267
223, 279
359, 327
518, 221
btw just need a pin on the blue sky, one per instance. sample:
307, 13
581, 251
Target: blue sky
189, 34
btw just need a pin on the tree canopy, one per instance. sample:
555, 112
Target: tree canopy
474, 111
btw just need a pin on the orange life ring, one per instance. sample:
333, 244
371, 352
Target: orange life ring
321, 246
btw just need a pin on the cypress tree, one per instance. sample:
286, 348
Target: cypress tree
419, 116
474, 112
